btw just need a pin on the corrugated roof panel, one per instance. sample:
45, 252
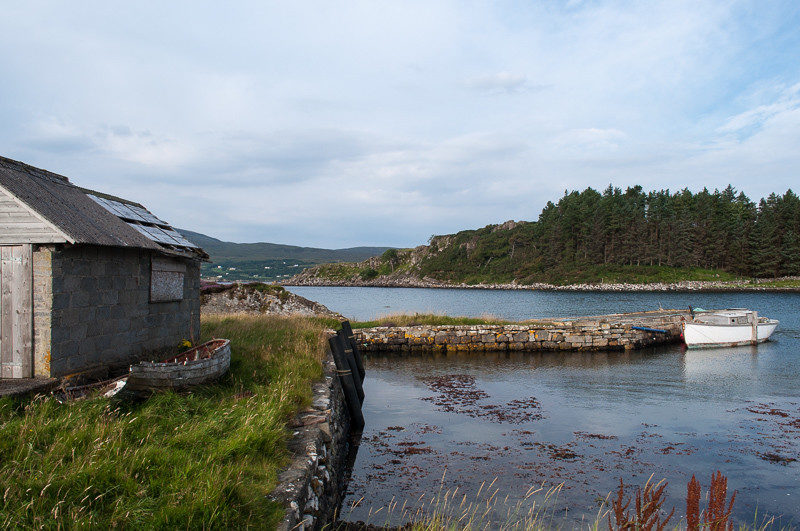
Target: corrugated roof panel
178, 237
161, 236
140, 228
147, 216
127, 213
111, 206
121, 210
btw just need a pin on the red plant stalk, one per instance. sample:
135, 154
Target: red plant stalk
648, 504
716, 516
693, 505
653, 500
620, 511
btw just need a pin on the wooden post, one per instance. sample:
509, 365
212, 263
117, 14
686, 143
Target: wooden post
348, 331
348, 356
348, 386
754, 328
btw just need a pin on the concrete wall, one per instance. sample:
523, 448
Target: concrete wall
100, 310
612, 332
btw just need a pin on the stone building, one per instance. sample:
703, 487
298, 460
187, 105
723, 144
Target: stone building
88, 281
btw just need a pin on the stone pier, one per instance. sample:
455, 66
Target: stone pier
603, 332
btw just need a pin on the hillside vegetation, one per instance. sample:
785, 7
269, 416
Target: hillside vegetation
613, 236
268, 261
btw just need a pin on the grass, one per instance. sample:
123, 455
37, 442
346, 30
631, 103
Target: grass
590, 274
343, 271
270, 289
620, 274
429, 319
487, 509
780, 283
202, 459
415, 319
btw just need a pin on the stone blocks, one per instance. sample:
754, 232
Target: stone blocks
598, 333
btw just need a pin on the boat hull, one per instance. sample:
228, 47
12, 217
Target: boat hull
704, 335
150, 376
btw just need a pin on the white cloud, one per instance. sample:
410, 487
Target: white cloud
591, 141
502, 83
787, 100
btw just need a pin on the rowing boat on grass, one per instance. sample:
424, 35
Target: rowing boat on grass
202, 364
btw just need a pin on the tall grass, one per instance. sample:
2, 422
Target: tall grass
206, 458
488, 508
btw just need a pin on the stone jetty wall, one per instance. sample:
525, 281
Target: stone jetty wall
310, 487
605, 332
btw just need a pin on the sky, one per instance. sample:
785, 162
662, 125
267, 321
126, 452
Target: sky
345, 123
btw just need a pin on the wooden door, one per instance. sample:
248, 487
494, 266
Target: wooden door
16, 311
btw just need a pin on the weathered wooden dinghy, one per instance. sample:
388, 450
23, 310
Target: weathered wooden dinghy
202, 364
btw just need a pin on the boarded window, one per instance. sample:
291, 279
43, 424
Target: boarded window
166, 280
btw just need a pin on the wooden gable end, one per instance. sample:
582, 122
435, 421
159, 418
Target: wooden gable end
19, 224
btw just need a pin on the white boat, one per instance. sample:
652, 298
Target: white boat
727, 328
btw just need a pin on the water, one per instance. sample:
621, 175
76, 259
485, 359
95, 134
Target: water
579, 420
363, 304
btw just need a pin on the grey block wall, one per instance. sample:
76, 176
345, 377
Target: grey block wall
102, 316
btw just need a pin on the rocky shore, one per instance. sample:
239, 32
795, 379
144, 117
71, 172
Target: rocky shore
409, 281
258, 298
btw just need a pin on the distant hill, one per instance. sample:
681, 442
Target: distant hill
269, 261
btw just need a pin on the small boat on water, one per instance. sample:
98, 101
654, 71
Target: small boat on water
201, 364
726, 328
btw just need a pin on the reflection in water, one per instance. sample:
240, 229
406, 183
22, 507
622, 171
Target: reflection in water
706, 365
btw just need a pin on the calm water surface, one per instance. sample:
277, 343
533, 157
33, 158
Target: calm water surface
582, 421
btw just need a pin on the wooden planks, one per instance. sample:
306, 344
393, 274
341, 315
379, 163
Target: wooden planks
16, 311
19, 225
7, 305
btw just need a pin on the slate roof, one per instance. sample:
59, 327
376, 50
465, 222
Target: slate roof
87, 220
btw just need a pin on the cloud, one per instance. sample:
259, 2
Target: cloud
502, 83
756, 149
56, 136
750, 120
385, 122
590, 141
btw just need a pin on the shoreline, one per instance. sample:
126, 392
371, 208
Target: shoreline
688, 286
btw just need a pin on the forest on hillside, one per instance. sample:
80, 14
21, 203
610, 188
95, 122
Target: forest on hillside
588, 234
